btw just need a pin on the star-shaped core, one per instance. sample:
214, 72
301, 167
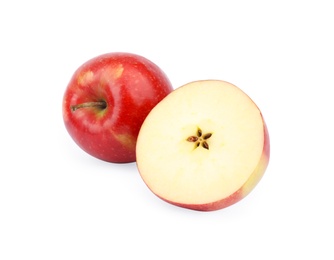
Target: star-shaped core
200, 139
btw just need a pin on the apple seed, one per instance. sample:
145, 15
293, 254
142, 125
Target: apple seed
199, 132
205, 145
192, 138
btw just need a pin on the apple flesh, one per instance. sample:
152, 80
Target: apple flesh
203, 147
107, 100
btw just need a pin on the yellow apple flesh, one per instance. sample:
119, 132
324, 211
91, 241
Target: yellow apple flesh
204, 147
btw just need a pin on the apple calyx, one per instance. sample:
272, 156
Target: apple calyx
200, 139
96, 104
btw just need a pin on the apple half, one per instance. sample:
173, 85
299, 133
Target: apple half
204, 147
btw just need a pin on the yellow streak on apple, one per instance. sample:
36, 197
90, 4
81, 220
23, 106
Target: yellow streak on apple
86, 78
111, 72
104, 75
127, 140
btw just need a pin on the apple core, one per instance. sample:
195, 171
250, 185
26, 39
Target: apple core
200, 139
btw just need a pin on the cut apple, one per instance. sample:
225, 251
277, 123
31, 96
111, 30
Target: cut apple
204, 147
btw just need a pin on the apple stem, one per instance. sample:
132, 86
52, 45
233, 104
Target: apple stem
97, 104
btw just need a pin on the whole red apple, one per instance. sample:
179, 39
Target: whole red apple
107, 100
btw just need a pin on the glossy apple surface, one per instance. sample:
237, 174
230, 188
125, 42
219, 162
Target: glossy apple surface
203, 147
107, 100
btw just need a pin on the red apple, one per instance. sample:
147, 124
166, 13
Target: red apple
107, 100
203, 147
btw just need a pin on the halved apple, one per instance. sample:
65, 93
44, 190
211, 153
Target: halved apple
204, 147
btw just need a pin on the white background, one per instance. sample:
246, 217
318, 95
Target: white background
57, 202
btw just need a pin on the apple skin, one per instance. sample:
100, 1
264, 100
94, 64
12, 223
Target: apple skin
248, 186
129, 85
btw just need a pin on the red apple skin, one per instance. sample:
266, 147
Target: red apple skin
130, 85
249, 185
